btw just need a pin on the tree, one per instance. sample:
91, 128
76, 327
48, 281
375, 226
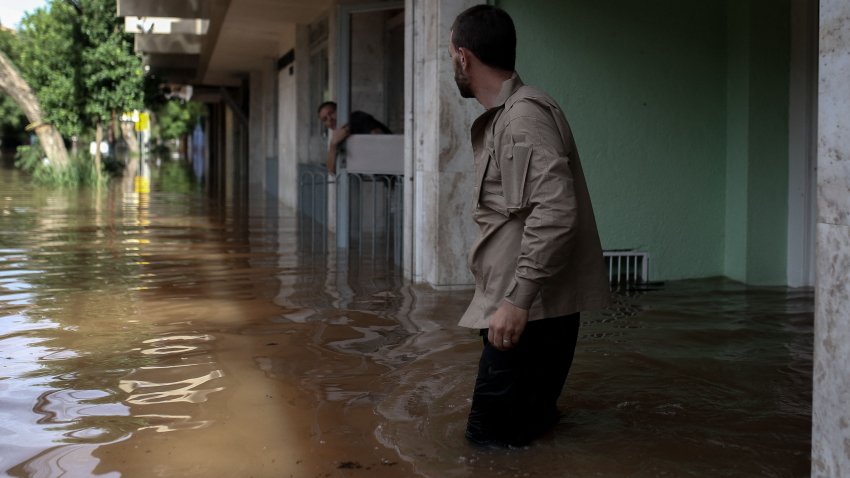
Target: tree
81, 66
50, 58
176, 118
13, 84
20, 100
112, 74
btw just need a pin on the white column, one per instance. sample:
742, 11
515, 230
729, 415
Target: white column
831, 394
288, 123
438, 228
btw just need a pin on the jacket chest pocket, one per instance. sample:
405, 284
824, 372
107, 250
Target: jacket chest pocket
514, 169
489, 182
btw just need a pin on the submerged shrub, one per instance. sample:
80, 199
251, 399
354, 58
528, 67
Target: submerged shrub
176, 177
79, 172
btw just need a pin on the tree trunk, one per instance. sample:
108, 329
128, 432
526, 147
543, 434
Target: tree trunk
13, 84
128, 133
110, 135
184, 151
98, 138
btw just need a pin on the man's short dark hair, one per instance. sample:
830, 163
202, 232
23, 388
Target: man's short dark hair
326, 103
489, 33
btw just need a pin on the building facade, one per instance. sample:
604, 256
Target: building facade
711, 133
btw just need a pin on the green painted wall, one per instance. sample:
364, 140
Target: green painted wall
737, 139
669, 109
767, 181
757, 140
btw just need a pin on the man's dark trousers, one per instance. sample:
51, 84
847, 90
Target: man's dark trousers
516, 391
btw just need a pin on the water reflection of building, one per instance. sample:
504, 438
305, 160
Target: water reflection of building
698, 122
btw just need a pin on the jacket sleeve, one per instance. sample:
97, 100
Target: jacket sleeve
538, 187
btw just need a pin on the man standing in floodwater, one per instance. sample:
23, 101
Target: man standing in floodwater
537, 261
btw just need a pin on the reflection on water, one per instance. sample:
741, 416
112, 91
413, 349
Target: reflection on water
166, 336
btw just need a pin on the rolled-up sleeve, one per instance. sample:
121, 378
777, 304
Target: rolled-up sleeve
541, 192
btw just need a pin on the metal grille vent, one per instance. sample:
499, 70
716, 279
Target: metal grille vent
627, 267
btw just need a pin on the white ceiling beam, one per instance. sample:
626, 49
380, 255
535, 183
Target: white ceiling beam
166, 25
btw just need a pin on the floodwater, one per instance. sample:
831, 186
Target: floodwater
167, 336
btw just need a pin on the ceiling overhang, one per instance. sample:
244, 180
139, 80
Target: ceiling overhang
214, 42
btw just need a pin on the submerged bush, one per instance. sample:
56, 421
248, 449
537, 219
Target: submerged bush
80, 170
176, 177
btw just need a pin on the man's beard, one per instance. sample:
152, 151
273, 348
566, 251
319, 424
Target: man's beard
463, 85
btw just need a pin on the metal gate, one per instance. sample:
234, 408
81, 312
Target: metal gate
374, 212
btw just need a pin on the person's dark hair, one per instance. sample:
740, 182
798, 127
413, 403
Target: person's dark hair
489, 33
361, 122
326, 103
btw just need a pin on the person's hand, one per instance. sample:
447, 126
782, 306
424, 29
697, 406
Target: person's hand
339, 135
506, 326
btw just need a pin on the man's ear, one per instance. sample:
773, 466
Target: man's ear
464, 56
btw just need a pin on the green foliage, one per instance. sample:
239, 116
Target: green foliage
9, 45
80, 63
75, 56
80, 171
177, 118
50, 61
112, 73
175, 177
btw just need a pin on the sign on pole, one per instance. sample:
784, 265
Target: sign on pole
144, 122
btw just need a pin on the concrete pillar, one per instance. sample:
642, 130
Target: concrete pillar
306, 110
257, 126
269, 107
831, 408
438, 228
289, 120
288, 138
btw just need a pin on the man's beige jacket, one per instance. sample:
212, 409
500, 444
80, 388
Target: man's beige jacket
538, 246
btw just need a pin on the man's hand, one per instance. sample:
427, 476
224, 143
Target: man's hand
506, 326
339, 135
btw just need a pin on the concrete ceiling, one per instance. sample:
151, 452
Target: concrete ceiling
243, 35
255, 32
177, 43
164, 8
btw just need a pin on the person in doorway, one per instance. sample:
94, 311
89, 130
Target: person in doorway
538, 260
358, 123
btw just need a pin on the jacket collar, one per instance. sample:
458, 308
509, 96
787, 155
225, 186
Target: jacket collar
509, 87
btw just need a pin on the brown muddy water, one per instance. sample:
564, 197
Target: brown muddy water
165, 336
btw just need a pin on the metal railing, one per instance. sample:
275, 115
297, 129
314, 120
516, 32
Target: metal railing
375, 215
374, 212
313, 206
